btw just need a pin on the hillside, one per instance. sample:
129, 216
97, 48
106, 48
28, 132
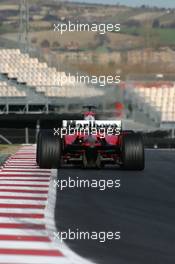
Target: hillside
136, 23
146, 42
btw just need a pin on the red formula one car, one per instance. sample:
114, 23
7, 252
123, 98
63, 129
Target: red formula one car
91, 143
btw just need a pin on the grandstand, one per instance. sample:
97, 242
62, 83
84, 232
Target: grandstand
10, 91
154, 99
30, 87
32, 94
25, 81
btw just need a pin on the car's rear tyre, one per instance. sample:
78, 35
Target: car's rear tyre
133, 157
38, 146
49, 150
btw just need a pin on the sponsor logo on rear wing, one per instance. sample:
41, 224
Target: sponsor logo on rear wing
93, 123
99, 128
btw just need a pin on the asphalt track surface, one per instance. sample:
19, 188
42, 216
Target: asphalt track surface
143, 210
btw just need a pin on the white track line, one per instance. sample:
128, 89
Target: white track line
7, 178
23, 174
22, 194
21, 220
22, 201
18, 167
15, 259
24, 183
21, 232
24, 188
21, 210
26, 160
28, 244
22, 171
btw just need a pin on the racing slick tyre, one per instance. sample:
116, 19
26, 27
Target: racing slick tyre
38, 146
133, 156
49, 150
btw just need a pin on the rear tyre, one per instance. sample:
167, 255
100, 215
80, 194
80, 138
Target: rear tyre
49, 150
133, 157
38, 146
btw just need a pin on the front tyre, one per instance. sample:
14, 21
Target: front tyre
132, 152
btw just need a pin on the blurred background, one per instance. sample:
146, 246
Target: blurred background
34, 58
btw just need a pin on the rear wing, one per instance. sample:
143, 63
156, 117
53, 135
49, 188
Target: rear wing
117, 124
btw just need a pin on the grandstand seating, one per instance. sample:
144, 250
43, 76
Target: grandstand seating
155, 99
25, 75
10, 91
40, 77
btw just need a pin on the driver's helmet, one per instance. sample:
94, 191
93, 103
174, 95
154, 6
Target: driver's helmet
89, 117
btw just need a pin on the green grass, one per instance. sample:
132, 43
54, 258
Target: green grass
165, 36
8, 29
3, 157
8, 149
